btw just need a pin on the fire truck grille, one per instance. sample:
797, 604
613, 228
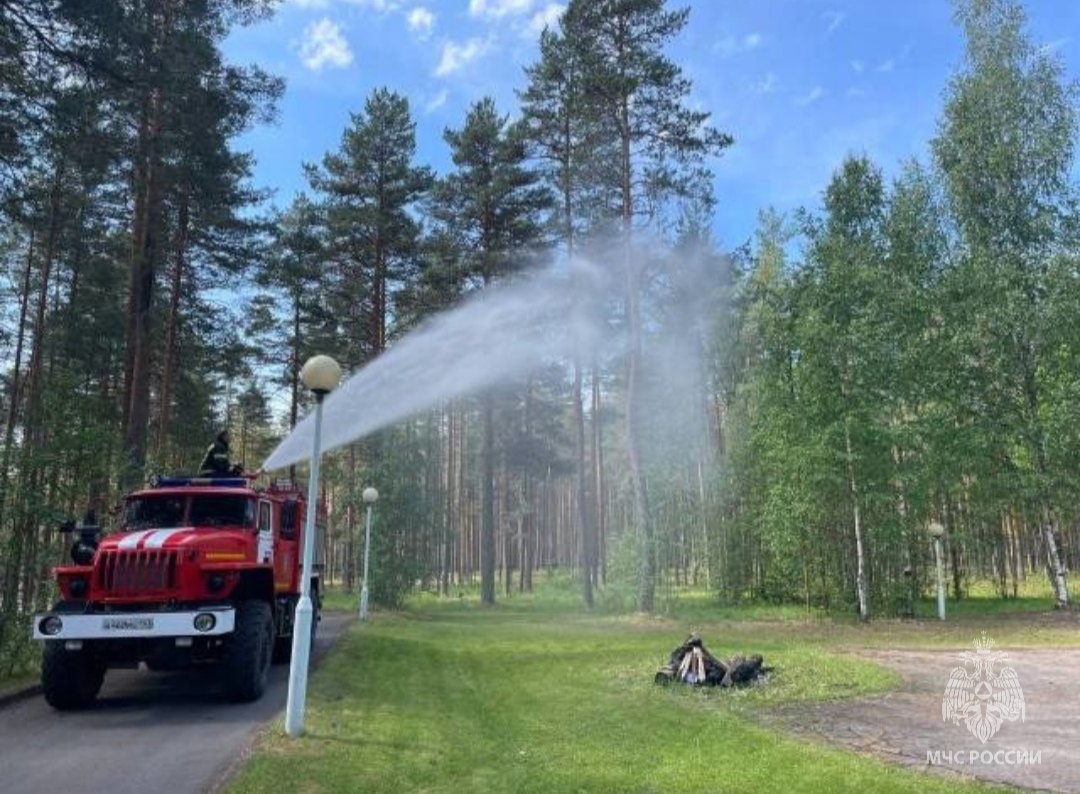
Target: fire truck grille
121, 573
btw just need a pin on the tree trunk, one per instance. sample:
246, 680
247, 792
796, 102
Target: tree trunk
446, 560
21, 552
378, 341
487, 499
641, 518
861, 589
704, 513
1053, 556
139, 221
588, 565
141, 303
294, 371
32, 425
172, 355
14, 392
507, 533
464, 546
145, 242
598, 474
351, 510
1037, 436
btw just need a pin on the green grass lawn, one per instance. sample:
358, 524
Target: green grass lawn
533, 696
336, 599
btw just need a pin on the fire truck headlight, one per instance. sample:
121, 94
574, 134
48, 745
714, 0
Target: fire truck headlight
51, 625
78, 587
205, 621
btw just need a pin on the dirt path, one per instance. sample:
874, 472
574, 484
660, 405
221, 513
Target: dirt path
906, 726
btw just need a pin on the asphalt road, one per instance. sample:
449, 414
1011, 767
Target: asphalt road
150, 732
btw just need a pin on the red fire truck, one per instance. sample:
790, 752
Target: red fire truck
201, 571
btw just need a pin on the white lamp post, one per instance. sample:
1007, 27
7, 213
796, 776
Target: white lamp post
936, 531
320, 374
370, 497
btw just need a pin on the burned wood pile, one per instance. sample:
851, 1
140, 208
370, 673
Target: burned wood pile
691, 663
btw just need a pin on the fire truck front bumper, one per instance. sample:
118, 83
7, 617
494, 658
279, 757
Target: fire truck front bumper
121, 625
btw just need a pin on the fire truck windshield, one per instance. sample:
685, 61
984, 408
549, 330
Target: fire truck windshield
220, 511
158, 512
167, 512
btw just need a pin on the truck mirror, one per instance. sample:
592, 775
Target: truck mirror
82, 553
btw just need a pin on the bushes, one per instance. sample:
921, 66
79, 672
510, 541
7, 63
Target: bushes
18, 652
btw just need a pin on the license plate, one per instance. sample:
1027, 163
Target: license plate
127, 624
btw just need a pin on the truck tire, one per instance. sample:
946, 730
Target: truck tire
246, 666
70, 679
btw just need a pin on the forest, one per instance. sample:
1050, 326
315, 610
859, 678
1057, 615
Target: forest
907, 352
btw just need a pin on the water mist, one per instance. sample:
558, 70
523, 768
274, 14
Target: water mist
503, 332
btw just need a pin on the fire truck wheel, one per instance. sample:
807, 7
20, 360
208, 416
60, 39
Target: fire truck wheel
70, 679
246, 665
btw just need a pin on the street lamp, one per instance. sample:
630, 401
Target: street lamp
370, 497
936, 531
320, 374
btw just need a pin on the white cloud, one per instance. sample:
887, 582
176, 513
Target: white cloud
890, 64
858, 66
816, 93
455, 56
1055, 45
421, 21
547, 17
309, 3
437, 101
729, 45
855, 91
496, 9
833, 20
766, 85
324, 45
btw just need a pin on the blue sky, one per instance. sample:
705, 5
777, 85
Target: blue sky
799, 83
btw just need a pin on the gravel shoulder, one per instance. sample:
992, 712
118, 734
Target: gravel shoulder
906, 726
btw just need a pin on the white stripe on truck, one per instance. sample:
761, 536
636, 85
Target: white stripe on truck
132, 540
158, 537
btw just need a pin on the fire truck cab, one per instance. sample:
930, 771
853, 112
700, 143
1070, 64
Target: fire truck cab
201, 571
